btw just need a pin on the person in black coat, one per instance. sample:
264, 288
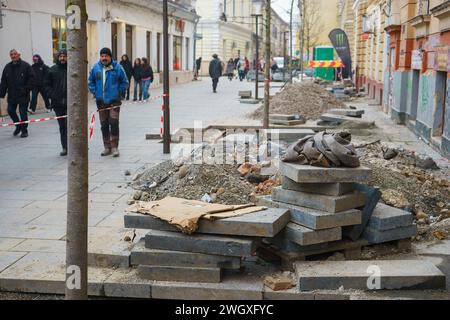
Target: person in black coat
147, 78
137, 76
215, 71
128, 67
40, 71
55, 87
17, 80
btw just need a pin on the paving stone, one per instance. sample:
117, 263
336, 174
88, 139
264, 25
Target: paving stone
39, 272
220, 245
291, 294
373, 195
125, 283
394, 274
331, 204
287, 122
341, 119
181, 274
375, 236
107, 247
283, 116
38, 245
143, 256
309, 174
266, 223
232, 287
58, 217
21, 216
347, 112
386, 218
8, 258
315, 219
31, 231
288, 135
329, 189
304, 236
7, 243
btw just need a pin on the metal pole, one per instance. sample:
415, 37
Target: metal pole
302, 35
284, 55
290, 42
257, 60
166, 131
78, 169
267, 68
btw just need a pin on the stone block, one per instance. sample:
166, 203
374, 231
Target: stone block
245, 94
386, 218
341, 119
288, 135
329, 189
373, 195
394, 274
287, 122
347, 112
208, 244
291, 294
316, 219
309, 174
182, 274
8, 258
266, 223
320, 202
125, 283
143, 256
283, 116
375, 236
304, 236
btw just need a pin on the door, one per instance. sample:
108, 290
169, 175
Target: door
158, 52
114, 35
129, 41
149, 46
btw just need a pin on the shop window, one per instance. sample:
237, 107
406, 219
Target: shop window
177, 48
59, 40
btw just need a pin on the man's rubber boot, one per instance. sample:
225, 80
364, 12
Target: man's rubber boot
115, 152
106, 152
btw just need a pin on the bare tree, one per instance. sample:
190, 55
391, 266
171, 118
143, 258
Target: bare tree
312, 25
77, 180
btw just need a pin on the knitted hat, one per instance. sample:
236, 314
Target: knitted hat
106, 51
62, 51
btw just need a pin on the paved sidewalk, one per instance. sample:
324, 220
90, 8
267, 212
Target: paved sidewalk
33, 180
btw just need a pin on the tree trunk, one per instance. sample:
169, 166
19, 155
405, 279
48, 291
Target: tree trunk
267, 71
77, 190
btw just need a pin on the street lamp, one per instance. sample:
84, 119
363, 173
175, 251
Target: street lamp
257, 12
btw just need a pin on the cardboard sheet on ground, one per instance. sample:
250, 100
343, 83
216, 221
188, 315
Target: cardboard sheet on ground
185, 214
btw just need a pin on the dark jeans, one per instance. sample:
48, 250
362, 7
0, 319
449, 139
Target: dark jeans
241, 75
109, 121
62, 125
136, 85
12, 111
128, 89
215, 81
34, 97
230, 76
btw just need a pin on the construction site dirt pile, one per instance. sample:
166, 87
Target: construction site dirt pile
306, 99
221, 184
404, 185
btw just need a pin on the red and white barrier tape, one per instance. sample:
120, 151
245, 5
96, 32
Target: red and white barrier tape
161, 130
91, 126
32, 121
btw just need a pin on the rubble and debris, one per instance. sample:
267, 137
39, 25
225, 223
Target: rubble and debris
307, 99
280, 282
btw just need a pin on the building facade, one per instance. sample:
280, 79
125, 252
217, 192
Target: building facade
132, 27
402, 50
227, 28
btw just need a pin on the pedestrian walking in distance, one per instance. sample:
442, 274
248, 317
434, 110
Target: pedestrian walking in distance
198, 66
108, 82
137, 76
241, 69
230, 69
17, 80
128, 67
55, 87
215, 71
40, 71
147, 78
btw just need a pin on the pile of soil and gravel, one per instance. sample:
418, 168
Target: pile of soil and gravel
222, 183
407, 184
307, 99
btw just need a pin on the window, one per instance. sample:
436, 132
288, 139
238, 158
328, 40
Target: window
158, 51
423, 7
149, 46
114, 35
177, 49
59, 39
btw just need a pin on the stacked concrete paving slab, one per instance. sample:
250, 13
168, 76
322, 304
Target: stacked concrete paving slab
321, 201
166, 254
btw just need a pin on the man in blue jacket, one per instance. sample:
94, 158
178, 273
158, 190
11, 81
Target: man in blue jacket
108, 82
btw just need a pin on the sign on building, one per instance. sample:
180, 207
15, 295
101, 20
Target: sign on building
441, 58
